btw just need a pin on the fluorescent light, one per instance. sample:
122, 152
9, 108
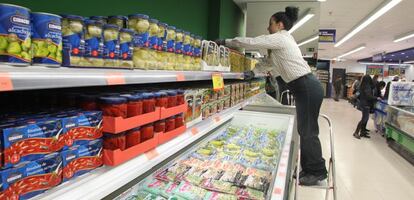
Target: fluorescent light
368, 21
322, 0
409, 62
302, 21
309, 40
404, 37
351, 52
376, 63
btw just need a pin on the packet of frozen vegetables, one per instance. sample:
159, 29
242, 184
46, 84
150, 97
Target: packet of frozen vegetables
248, 193
219, 196
231, 176
154, 186
189, 191
175, 197
165, 175
144, 195
169, 189
212, 174
219, 186
256, 182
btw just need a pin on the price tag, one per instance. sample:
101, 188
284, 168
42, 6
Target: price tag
6, 83
194, 131
180, 77
217, 119
151, 154
277, 191
115, 78
218, 82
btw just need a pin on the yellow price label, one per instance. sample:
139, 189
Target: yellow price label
218, 82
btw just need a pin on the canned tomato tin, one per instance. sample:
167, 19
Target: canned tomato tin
15, 31
46, 39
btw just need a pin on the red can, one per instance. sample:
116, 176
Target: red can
170, 124
159, 126
133, 137
134, 105
148, 102
179, 121
147, 132
172, 98
180, 97
114, 141
113, 106
161, 99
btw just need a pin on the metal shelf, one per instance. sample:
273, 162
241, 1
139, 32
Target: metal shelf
42, 77
103, 181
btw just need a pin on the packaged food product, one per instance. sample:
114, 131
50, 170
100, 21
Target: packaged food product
248, 193
133, 137
93, 43
134, 105
101, 19
219, 196
140, 24
211, 53
188, 39
148, 102
162, 34
219, 186
73, 40
170, 124
159, 126
169, 189
114, 106
114, 141
189, 191
81, 159
46, 39
162, 99
111, 45
154, 186
147, 132
31, 178
170, 39
153, 33
126, 47
189, 98
172, 98
179, 121
15, 32
119, 20
143, 195
179, 39
197, 46
231, 176
198, 105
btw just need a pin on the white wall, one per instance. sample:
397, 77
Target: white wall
409, 73
351, 66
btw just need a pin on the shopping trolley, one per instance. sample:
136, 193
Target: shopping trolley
290, 99
331, 180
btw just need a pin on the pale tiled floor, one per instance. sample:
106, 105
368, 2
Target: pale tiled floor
367, 169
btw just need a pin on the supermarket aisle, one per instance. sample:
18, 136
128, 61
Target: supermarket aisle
366, 169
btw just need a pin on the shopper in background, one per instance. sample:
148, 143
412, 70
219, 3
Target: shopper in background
387, 88
381, 86
337, 87
287, 60
366, 101
375, 85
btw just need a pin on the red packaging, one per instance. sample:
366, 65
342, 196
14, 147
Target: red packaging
113, 106
172, 98
159, 126
133, 137
134, 105
180, 97
170, 124
179, 121
161, 99
114, 141
148, 102
147, 132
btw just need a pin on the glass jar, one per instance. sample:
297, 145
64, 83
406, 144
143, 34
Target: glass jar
197, 46
134, 105
114, 141
101, 19
93, 44
162, 99
113, 106
153, 33
73, 40
147, 132
88, 102
159, 126
187, 43
111, 45
119, 20
126, 47
180, 97
162, 33
172, 98
170, 124
179, 39
140, 24
170, 38
179, 120
148, 102
133, 137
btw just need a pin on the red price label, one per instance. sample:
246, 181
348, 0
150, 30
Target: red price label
277, 191
194, 131
217, 119
115, 78
151, 154
6, 83
180, 77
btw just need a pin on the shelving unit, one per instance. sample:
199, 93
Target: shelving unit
350, 78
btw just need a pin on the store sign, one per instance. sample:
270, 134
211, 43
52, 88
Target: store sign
218, 82
375, 69
395, 71
401, 94
327, 35
377, 57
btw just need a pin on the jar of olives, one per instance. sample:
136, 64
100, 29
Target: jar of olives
73, 39
126, 47
119, 20
179, 39
187, 43
170, 38
101, 19
111, 45
162, 32
140, 24
93, 43
153, 33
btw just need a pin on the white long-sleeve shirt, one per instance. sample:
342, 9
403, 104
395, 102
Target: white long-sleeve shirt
285, 54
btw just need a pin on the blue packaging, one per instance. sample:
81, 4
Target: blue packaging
111, 44
170, 39
46, 39
179, 39
162, 34
93, 43
81, 159
73, 40
15, 32
126, 47
187, 43
139, 23
31, 178
31, 140
153, 33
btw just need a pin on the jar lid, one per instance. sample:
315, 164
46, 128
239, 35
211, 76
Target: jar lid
136, 128
87, 97
72, 17
180, 91
163, 94
171, 93
93, 22
113, 100
186, 32
97, 17
178, 30
118, 17
171, 27
162, 24
126, 30
147, 95
110, 94
111, 26
155, 21
130, 97
157, 94
141, 16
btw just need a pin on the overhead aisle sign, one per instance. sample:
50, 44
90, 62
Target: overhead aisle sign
327, 35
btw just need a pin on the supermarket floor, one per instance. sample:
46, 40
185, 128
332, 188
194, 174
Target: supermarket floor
367, 169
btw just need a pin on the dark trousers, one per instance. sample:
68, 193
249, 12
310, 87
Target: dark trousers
362, 125
309, 95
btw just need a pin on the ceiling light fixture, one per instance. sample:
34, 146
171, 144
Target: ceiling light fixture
308, 40
302, 21
404, 37
351, 52
409, 62
376, 63
322, 0
390, 4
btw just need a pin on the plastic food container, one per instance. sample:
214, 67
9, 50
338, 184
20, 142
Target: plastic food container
88, 102
147, 132
170, 37
179, 39
134, 105
148, 102
133, 137
113, 106
140, 24
73, 40
93, 43
46, 39
153, 33
101, 19
170, 124
179, 121
159, 126
180, 97
126, 47
114, 141
172, 98
119, 20
162, 34
111, 45
15, 31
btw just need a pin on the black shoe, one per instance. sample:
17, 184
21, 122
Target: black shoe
310, 179
356, 135
366, 130
301, 174
365, 135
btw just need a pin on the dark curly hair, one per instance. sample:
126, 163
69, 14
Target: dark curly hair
288, 18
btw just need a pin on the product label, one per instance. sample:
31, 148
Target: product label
187, 50
126, 50
179, 47
153, 40
141, 40
111, 49
93, 47
170, 46
161, 44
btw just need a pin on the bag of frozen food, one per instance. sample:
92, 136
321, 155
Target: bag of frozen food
248, 193
154, 186
219, 186
219, 196
189, 191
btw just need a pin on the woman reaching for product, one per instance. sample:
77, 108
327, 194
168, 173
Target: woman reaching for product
286, 59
